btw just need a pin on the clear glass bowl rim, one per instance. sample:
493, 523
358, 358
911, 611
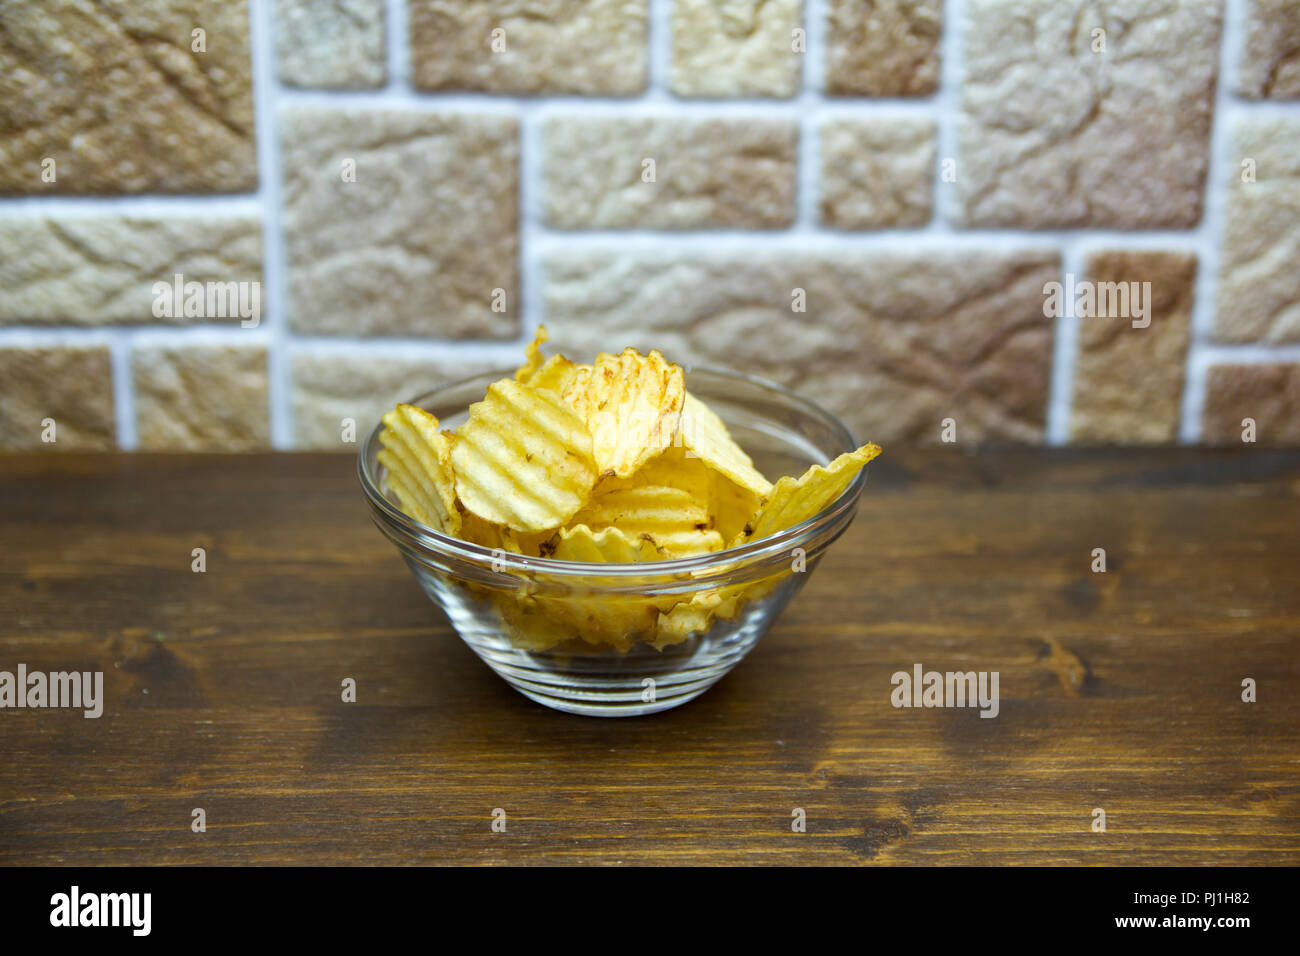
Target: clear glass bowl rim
774, 547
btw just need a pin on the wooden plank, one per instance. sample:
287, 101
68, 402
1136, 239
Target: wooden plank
1118, 690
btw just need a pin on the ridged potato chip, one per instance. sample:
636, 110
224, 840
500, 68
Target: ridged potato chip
794, 500
530, 625
542, 622
618, 620
523, 458
476, 530
532, 356
732, 505
676, 522
418, 459
411, 500
728, 504
497, 536
703, 434
686, 618
606, 546
555, 373
632, 404
678, 468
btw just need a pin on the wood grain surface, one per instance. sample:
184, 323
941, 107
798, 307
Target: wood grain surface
1119, 691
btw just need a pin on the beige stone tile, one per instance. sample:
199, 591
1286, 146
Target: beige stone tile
102, 270
877, 173
328, 388
1057, 131
724, 48
1270, 62
1259, 251
420, 241
1128, 381
706, 173
892, 342
201, 398
330, 44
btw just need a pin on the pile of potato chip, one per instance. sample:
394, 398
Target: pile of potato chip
612, 462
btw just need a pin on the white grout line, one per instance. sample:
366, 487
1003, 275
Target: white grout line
532, 281
505, 352
925, 238
659, 56
1210, 228
230, 335
1065, 346
119, 351
1252, 354
42, 337
397, 44
948, 109
225, 206
266, 86
808, 185
226, 333
654, 102
814, 58
809, 100
1263, 109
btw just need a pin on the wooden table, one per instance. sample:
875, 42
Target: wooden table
1119, 690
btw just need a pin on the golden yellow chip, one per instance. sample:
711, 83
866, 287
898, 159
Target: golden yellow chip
670, 517
498, 537
618, 622
606, 546
732, 506
729, 505
418, 459
703, 434
555, 373
532, 356
686, 618
530, 624
632, 404
668, 499
523, 458
411, 499
795, 500
678, 468
477, 531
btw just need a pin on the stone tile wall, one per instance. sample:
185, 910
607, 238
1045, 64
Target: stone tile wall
256, 223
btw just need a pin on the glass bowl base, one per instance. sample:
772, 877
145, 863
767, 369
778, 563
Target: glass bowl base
607, 683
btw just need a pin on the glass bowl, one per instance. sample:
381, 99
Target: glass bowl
574, 636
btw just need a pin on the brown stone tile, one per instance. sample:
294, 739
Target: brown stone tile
69, 385
1269, 395
122, 101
